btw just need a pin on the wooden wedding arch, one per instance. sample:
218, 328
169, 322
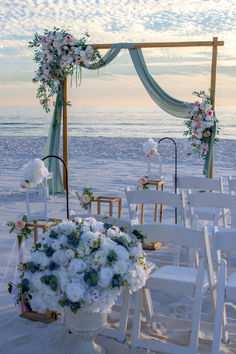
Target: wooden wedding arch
214, 44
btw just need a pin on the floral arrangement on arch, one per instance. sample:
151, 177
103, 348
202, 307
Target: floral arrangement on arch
59, 54
34, 173
86, 197
200, 125
81, 263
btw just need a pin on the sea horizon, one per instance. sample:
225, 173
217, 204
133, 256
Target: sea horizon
107, 121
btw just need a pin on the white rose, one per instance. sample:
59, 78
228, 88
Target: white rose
59, 257
75, 292
40, 258
37, 281
120, 267
149, 145
55, 245
105, 277
122, 252
70, 253
77, 266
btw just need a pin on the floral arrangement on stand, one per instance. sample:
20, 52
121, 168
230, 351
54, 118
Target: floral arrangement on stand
151, 153
59, 54
21, 229
83, 264
201, 125
86, 197
143, 183
34, 173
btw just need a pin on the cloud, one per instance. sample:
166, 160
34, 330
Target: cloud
122, 21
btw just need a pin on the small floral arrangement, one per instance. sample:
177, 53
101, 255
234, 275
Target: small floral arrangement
86, 197
34, 173
59, 54
200, 125
81, 263
20, 228
143, 183
150, 148
151, 153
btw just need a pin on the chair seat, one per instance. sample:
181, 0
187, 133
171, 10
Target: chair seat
207, 213
181, 279
231, 288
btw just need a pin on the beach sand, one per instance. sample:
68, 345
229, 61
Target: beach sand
108, 165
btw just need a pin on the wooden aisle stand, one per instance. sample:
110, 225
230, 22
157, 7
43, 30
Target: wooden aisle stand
49, 316
215, 43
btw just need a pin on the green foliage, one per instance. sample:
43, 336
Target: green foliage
139, 236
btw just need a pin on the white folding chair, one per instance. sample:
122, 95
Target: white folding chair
196, 184
224, 242
218, 201
232, 185
174, 203
177, 280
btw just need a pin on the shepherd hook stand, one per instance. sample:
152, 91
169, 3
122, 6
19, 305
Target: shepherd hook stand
66, 174
166, 137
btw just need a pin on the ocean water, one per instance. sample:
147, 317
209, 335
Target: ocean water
107, 121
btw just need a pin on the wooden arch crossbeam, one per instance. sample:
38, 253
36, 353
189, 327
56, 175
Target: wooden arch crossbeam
214, 44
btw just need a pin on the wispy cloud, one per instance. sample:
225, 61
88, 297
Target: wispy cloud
121, 21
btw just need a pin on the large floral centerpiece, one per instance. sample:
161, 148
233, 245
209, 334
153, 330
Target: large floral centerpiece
83, 264
59, 54
201, 126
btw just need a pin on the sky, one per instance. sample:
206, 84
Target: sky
179, 71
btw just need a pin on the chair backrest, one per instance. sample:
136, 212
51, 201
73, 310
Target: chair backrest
232, 185
194, 183
152, 197
213, 200
224, 241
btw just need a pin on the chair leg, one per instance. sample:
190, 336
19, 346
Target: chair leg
148, 307
197, 305
220, 311
137, 319
120, 333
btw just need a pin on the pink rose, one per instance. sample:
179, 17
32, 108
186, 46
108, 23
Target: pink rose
197, 103
79, 59
154, 151
205, 148
148, 156
142, 180
207, 133
43, 40
68, 37
24, 185
19, 224
199, 124
210, 112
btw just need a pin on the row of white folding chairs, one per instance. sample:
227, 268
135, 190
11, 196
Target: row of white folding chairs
196, 210
177, 201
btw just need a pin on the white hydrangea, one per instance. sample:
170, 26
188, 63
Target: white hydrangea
75, 291
35, 171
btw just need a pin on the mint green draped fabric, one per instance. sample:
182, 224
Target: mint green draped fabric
53, 140
52, 146
207, 162
169, 104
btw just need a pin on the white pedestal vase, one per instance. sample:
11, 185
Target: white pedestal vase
87, 325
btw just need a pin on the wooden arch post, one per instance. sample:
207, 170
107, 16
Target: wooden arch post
65, 131
213, 87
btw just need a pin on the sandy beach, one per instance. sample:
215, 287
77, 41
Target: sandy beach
108, 165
